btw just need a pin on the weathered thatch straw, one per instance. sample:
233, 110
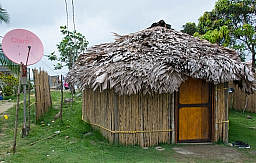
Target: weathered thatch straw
157, 60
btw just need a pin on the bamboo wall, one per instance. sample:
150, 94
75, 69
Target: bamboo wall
42, 93
237, 100
144, 120
221, 113
132, 120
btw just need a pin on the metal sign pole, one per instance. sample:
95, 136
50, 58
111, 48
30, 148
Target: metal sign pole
24, 84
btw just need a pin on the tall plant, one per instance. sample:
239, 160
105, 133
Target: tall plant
72, 44
4, 18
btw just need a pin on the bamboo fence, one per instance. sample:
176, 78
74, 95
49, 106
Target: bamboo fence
42, 92
238, 100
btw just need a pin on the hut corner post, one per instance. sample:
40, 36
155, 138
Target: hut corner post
221, 113
226, 124
215, 113
172, 111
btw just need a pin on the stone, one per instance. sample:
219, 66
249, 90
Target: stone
159, 148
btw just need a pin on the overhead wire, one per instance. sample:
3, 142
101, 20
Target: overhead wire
66, 6
73, 11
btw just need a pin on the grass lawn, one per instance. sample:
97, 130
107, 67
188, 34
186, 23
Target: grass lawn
240, 130
74, 144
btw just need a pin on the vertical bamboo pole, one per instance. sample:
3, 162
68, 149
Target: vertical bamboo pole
24, 130
49, 91
36, 96
172, 111
216, 113
141, 110
16, 114
225, 139
116, 117
83, 104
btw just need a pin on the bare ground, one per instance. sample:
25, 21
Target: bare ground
5, 105
210, 153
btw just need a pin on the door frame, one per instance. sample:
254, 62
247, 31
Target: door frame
210, 105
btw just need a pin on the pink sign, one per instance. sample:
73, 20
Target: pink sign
16, 44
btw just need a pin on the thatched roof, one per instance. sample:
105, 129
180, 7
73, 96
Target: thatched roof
157, 60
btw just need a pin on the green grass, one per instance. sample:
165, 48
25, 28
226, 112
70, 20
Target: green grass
239, 130
73, 145
77, 147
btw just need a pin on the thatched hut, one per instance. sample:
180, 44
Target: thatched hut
159, 85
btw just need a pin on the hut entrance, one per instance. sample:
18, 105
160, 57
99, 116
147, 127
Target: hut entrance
194, 111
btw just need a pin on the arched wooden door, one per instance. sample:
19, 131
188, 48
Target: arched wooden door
194, 111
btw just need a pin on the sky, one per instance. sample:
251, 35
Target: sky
96, 19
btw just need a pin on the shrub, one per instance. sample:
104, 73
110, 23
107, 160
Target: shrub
9, 84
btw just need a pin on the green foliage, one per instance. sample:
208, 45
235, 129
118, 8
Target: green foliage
231, 23
221, 36
73, 44
189, 28
73, 144
4, 16
9, 84
9, 64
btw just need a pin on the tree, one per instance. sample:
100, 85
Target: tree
231, 23
189, 28
4, 16
221, 36
73, 44
6, 62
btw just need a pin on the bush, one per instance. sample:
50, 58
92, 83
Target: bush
9, 84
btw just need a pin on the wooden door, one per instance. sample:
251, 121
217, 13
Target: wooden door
194, 111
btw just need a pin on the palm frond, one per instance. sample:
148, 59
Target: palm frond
4, 16
4, 61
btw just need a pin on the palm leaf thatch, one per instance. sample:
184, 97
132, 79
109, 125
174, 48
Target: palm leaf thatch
157, 60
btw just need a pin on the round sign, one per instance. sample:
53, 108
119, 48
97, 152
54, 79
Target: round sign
22, 46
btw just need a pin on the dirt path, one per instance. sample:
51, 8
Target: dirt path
5, 105
209, 153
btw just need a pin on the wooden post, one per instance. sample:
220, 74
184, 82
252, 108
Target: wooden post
225, 139
29, 99
36, 85
216, 113
49, 91
61, 103
171, 109
72, 88
16, 115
